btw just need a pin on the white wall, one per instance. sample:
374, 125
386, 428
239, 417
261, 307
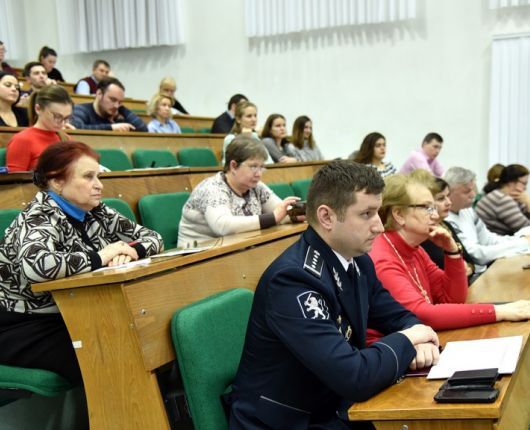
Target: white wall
429, 74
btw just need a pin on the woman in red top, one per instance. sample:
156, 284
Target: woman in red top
49, 109
436, 296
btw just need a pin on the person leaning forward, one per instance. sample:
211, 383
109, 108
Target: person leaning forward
305, 359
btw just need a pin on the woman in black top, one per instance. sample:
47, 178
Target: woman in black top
48, 58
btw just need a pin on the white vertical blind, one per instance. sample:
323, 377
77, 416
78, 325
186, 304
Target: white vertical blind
274, 17
498, 4
12, 28
97, 25
510, 101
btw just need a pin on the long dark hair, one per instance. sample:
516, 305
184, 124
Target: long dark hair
510, 173
365, 154
266, 132
298, 133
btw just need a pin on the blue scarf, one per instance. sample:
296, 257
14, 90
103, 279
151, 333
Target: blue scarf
67, 207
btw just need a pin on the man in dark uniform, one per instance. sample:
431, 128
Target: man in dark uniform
305, 359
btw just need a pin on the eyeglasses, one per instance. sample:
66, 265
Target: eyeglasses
523, 183
58, 118
255, 168
431, 210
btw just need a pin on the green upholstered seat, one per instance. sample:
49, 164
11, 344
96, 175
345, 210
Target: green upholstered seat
282, 189
6, 218
19, 382
3, 156
208, 336
162, 212
301, 187
205, 130
197, 157
187, 129
114, 159
121, 206
143, 158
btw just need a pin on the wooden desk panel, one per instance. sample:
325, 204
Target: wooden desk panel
195, 122
136, 105
122, 319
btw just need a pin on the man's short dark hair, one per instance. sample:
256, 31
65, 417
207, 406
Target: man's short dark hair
335, 185
27, 68
98, 62
104, 84
432, 136
236, 98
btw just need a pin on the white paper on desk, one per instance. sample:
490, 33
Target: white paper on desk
183, 251
142, 262
499, 352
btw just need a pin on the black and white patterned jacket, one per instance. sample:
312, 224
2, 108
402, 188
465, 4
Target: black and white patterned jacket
43, 244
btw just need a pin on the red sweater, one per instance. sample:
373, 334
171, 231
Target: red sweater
447, 290
24, 148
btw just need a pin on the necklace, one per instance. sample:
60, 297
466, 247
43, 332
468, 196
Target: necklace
415, 278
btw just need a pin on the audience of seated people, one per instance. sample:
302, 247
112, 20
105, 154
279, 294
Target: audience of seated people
505, 205
234, 200
168, 87
50, 110
89, 84
159, 108
437, 297
106, 111
10, 114
426, 156
65, 230
372, 152
483, 245
274, 137
48, 58
303, 141
224, 122
5, 67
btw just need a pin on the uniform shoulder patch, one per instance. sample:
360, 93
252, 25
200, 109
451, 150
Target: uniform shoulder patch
313, 262
313, 306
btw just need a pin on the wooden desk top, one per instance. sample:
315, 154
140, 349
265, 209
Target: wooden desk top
226, 245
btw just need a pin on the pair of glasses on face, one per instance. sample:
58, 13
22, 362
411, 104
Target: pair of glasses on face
59, 119
525, 184
430, 210
255, 168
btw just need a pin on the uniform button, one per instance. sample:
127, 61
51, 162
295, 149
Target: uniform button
472, 311
481, 311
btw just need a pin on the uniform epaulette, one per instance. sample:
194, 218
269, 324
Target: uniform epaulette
313, 262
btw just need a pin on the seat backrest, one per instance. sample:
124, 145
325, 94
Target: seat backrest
143, 158
121, 206
114, 159
162, 212
208, 336
3, 152
6, 218
301, 187
187, 129
282, 189
197, 157
205, 130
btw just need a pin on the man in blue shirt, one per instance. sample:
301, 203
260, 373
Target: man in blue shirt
107, 112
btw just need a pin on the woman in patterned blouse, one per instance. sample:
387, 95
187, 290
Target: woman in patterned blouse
65, 230
234, 200
372, 152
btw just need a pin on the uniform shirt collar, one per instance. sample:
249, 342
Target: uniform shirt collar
67, 207
345, 263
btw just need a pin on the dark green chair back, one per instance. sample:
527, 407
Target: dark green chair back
19, 382
282, 189
301, 187
3, 152
121, 206
6, 218
114, 159
197, 157
162, 212
208, 336
187, 129
143, 158
205, 130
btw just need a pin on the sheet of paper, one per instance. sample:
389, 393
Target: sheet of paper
500, 352
182, 251
142, 262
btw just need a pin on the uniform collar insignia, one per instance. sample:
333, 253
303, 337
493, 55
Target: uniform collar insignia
313, 262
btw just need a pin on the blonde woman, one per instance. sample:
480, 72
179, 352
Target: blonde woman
159, 108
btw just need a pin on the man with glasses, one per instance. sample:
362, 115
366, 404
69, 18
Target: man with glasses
305, 358
234, 200
107, 112
482, 244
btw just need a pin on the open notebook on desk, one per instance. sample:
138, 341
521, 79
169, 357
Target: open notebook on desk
499, 352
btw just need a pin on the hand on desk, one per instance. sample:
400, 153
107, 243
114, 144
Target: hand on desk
425, 341
280, 211
117, 253
514, 311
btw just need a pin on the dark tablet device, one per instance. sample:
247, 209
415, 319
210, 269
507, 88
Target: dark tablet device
467, 396
474, 377
297, 209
